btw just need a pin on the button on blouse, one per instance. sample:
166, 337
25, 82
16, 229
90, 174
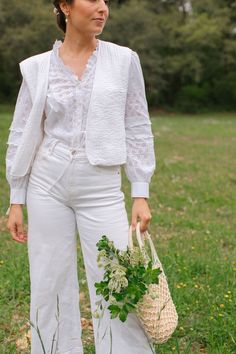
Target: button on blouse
65, 118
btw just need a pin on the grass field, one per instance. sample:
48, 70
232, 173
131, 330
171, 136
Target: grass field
193, 206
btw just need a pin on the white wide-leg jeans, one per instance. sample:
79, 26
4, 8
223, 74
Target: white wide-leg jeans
66, 195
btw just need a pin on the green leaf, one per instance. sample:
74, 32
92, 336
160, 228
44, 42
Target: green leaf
114, 314
114, 310
123, 315
98, 291
143, 287
129, 307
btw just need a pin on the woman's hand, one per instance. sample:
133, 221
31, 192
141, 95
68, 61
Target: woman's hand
15, 223
140, 210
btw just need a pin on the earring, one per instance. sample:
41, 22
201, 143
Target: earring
66, 19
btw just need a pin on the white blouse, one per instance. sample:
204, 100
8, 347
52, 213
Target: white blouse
65, 119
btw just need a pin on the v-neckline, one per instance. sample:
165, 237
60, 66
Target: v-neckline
80, 79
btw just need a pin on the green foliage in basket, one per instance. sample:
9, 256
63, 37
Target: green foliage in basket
126, 279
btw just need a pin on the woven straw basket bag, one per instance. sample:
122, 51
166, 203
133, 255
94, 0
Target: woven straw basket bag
156, 311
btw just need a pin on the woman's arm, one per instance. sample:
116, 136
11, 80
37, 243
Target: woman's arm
141, 162
18, 185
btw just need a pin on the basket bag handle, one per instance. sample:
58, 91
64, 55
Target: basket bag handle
141, 238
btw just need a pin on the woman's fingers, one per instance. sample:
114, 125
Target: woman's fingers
16, 235
15, 225
141, 210
20, 232
144, 224
19, 236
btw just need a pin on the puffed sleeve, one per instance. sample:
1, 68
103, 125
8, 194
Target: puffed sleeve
141, 161
18, 185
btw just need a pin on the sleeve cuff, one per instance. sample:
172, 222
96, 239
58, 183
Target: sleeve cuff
18, 196
140, 189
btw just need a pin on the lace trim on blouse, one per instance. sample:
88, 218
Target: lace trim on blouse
67, 69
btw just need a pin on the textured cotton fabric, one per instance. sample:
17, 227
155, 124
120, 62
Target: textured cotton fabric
65, 114
105, 121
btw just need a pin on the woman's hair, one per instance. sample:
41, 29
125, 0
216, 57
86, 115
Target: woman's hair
61, 17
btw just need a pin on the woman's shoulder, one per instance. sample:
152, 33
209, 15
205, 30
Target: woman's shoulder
36, 58
116, 46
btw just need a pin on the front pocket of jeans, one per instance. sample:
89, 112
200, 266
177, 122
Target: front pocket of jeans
46, 169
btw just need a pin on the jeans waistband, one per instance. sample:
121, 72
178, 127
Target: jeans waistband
54, 144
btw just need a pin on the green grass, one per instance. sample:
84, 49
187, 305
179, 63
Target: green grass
193, 206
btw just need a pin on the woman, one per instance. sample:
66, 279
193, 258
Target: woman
72, 179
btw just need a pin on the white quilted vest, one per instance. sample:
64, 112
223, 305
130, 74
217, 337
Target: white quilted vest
105, 126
